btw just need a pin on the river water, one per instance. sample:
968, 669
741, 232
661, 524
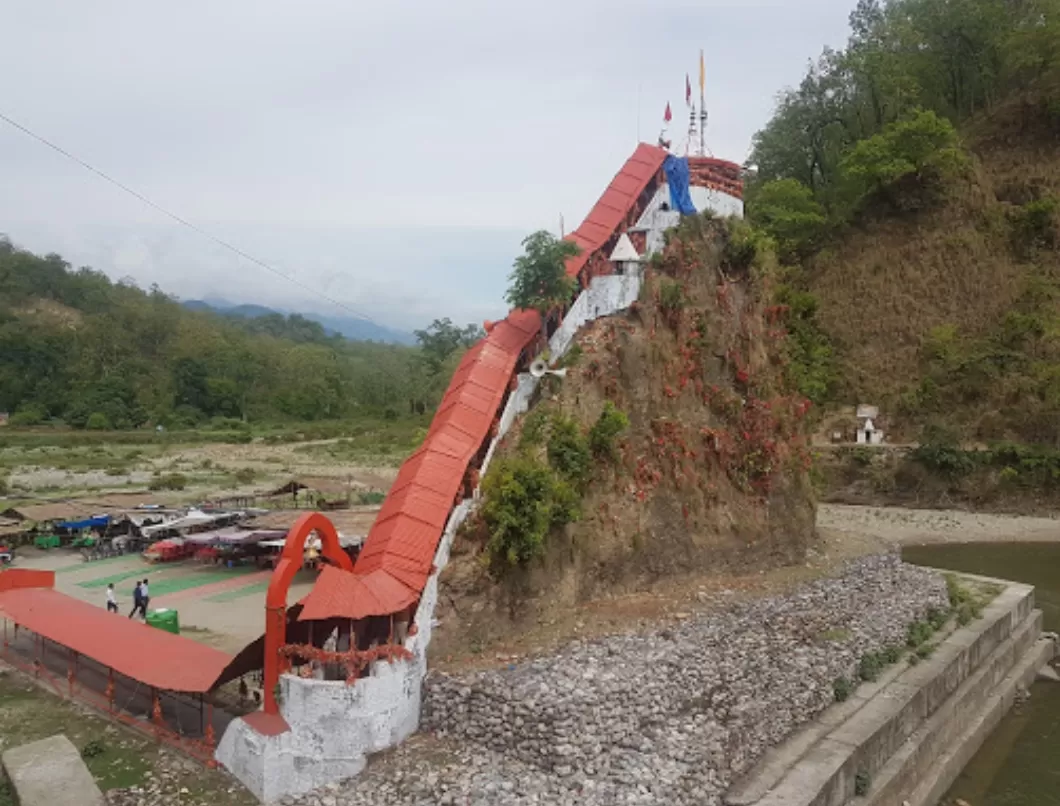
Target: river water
1019, 765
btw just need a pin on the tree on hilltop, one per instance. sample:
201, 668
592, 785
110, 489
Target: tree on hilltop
539, 278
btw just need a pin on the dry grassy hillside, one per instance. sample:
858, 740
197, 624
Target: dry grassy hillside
709, 472
951, 310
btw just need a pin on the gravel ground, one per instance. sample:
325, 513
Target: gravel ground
672, 716
915, 526
167, 784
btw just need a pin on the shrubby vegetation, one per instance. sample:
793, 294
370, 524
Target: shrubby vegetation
523, 500
787, 210
809, 350
99, 355
539, 488
604, 434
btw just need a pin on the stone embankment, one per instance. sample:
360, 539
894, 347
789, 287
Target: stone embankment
668, 717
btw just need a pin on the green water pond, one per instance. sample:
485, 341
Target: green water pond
1019, 765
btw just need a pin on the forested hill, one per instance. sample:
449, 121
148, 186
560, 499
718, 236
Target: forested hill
351, 327
78, 348
912, 184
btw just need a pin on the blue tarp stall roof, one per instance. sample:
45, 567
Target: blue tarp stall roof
88, 523
677, 177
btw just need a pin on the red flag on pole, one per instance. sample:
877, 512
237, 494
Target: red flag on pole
688, 91
668, 116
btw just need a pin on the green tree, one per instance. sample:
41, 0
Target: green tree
922, 145
1032, 49
539, 278
191, 379
808, 132
788, 213
442, 338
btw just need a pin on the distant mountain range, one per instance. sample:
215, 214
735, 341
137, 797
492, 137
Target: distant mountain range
348, 326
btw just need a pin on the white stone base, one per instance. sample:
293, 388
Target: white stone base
272, 767
334, 727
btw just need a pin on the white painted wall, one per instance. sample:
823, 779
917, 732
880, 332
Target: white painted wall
869, 437
656, 220
518, 403
721, 204
604, 296
335, 726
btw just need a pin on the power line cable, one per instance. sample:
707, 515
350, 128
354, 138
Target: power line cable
181, 220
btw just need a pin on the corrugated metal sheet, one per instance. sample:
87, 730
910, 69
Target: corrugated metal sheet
58, 511
615, 204
152, 656
13, 578
356, 596
397, 556
354, 521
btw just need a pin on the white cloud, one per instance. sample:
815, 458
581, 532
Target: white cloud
393, 153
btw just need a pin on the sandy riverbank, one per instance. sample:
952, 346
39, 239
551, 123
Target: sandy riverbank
921, 526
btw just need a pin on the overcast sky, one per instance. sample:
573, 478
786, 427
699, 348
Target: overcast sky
391, 155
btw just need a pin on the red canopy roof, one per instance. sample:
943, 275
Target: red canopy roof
619, 198
356, 596
154, 657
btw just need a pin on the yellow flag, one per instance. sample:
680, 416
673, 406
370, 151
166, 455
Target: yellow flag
702, 74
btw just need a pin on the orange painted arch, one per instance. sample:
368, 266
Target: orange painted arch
276, 599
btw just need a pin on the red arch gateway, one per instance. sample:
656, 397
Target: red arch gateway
276, 598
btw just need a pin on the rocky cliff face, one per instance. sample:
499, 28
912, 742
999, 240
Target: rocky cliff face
709, 474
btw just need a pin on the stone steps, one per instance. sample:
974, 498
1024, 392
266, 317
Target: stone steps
936, 753
890, 729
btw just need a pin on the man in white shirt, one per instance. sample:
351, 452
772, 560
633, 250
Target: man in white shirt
112, 602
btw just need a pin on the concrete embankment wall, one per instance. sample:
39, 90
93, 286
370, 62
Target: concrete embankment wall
906, 737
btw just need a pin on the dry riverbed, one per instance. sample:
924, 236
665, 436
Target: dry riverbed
896, 525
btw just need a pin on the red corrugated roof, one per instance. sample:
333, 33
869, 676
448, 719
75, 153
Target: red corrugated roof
398, 553
356, 596
615, 204
152, 656
405, 535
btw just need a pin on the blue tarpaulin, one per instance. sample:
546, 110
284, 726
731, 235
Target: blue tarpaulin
677, 178
89, 523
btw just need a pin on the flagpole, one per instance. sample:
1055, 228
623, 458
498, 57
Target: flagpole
690, 143
702, 107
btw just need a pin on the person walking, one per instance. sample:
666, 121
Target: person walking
145, 598
138, 600
112, 602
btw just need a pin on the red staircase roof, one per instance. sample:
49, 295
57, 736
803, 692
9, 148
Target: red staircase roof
615, 204
410, 523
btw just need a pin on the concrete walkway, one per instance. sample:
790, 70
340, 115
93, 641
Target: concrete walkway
51, 773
